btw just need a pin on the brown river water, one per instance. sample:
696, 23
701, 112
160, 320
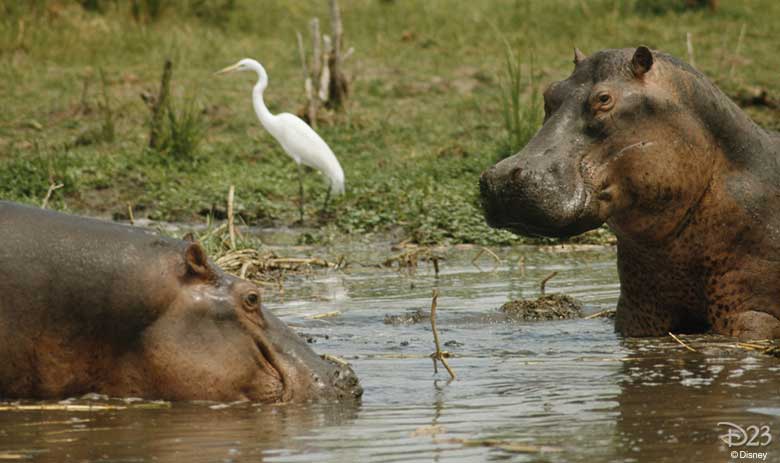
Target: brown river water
554, 391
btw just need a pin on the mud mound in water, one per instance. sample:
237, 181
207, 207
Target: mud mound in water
547, 307
410, 317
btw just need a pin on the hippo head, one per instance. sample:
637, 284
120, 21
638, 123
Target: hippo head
215, 341
618, 145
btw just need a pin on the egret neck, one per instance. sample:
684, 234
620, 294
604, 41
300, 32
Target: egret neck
265, 116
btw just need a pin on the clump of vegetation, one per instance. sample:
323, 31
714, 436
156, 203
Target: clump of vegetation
174, 132
546, 307
183, 132
520, 100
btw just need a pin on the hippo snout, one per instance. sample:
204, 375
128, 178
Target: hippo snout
548, 200
344, 380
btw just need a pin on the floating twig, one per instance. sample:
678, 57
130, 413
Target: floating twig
320, 316
544, 282
439, 354
79, 407
603, 313
505, 445
680, 341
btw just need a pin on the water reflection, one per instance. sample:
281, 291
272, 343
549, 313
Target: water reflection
671, 400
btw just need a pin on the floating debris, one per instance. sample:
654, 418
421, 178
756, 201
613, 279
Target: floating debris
257, 265
548, 307
410, 317
502, 444
409, 259
766, 347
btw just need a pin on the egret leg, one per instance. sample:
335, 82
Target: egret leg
300, 190
327, 199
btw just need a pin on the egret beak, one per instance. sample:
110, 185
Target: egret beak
227, 70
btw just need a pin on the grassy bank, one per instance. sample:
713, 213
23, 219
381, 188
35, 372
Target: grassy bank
424, 118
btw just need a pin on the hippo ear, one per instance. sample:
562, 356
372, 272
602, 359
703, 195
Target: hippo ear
579, 56
197, 262
642, 61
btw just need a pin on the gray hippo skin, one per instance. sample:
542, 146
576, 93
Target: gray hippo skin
688, 183
92, 306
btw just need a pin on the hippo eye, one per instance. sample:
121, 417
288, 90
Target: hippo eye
605, 101
251, 300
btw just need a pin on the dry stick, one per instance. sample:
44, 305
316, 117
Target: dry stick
231, 228
324, 92
689, 46
546, 279
439, 354
307, 81
338, 85
52, 188
521, 264
130, 213
737, 50
682, 343
160, 105
315, 73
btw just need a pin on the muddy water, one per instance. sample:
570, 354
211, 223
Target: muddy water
553, 391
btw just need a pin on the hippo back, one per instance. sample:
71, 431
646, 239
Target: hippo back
81, 277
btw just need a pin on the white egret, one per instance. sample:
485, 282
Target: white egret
298, 140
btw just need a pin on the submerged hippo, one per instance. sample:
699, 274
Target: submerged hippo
91, 306
688, 183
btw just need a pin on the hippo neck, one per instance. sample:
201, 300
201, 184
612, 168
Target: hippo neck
745, 144
721, 251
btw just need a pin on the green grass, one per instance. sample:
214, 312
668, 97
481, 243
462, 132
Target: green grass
426, 112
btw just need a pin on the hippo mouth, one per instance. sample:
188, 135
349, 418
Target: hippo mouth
268, 363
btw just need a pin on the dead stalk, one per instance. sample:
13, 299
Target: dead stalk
130, 214
689, 46
737, 50
439, 354
544, 282
231, 226
160, 105
52, 188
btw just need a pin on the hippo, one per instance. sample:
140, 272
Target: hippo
93, 306
689, 184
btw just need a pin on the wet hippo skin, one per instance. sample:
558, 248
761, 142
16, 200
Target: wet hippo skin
92, 306
687, 182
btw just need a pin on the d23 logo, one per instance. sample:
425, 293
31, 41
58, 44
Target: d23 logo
751, 436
